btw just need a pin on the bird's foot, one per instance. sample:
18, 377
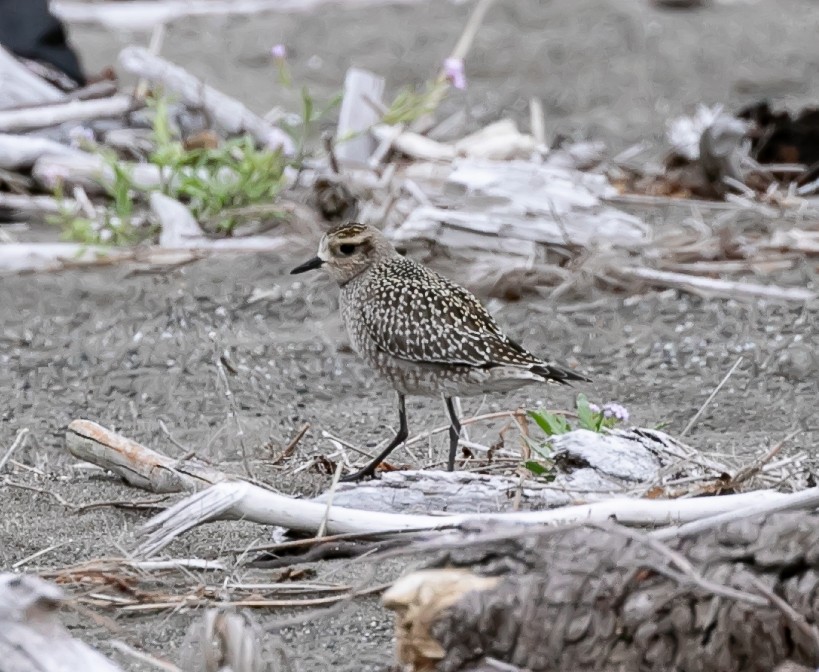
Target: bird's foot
360, 475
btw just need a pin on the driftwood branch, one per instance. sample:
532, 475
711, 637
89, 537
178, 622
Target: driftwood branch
372, 507
26, 119
712, 287
136, 464
741, 596
241, 500
228, 113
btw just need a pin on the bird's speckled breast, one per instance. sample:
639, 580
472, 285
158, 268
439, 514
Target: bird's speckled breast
351, 299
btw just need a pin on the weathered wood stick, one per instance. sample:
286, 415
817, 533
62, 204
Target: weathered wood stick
138, 465
729, 289
228, 113
30, 118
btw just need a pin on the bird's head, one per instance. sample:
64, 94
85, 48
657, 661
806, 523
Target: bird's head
347, 250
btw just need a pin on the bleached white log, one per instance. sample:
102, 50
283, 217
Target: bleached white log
19, 86
611, 463
21, 151
32, 639
76, 110
228, 113
713, 287
357, 115
245, 501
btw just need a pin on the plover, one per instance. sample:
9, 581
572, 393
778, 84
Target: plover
423, 333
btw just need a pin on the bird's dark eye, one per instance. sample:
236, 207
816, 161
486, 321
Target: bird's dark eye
346, 249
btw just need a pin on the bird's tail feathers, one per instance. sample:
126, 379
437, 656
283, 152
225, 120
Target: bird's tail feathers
554, 373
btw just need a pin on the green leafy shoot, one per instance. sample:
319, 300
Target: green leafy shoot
410, 105
550, 423
232, 176
589, 417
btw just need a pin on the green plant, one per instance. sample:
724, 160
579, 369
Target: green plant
116, 227
410, 104
589, 416
215, 180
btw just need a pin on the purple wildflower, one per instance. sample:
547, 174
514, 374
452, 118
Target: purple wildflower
80, 135
594, 408
279, 52
454, 72
616, 411
53, 175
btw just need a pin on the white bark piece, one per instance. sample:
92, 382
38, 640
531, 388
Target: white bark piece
52, 115
32, 639
357, 116
179, 227
228, 113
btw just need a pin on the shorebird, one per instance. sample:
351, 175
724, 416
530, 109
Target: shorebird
423, 333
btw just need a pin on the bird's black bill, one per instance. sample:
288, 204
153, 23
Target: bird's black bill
311, 265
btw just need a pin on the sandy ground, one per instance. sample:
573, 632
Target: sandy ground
133, 350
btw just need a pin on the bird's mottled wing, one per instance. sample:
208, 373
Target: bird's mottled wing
417, 315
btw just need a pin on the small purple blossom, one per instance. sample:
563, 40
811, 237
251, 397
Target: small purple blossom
80, 135
616, 411
53, 175
279, 52
454, 72
594, 408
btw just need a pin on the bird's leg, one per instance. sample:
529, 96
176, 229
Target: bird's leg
403, 433
454, 433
